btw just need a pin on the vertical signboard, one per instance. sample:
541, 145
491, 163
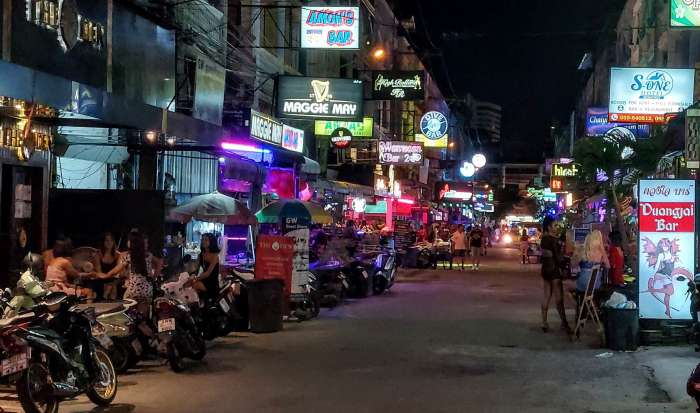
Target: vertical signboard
274, 255
666, 247
297, 228
692, 138
685, 13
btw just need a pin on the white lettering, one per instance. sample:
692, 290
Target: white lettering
676, 213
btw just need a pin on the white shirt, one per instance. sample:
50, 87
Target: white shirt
459, 239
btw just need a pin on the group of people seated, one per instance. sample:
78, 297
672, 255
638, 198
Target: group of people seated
130, 274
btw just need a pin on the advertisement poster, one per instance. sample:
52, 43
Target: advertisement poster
666, 247
400, 153
685, 13
398, 85
648, 95
597, 124
325, 27
209, 93
297, 229
292, 139
273, 258
302, 97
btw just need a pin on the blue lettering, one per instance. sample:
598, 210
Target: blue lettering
638, 82
339, 37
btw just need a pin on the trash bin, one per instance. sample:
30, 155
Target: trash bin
622, 329
265, 305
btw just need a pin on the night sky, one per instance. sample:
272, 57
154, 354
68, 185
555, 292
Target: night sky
520, 54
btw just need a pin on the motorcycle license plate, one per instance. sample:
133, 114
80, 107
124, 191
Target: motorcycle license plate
224, 305
16, 363
167, 324
136, 345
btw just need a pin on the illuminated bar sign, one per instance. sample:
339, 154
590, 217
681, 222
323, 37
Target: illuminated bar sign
563, 177
265, 128
319, 98
362, 129
400, 153
325, 27
433, 143
398, 85
666, 247
292, 139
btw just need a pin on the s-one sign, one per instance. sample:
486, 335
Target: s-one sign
400, 153
398, 85
319, 98
326, 27
648, 95
666, 247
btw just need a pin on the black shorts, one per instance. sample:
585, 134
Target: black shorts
459, 253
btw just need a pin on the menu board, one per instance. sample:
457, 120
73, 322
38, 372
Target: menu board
402, 235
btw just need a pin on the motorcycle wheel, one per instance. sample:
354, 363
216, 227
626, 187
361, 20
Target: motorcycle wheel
103, 389
201, 349
174, 359
31, 385
379, 285
121, 356
315, 305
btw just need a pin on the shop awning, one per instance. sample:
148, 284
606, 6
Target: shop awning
109, 110
346, 188
310, 167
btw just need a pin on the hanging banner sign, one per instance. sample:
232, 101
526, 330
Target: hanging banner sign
666, 247
319, 98
325, 27
647, 95
597, 124
398, 85
400, 153
364, 129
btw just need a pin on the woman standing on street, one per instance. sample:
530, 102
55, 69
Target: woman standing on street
209, 262
552, 274
109, 267
138, 284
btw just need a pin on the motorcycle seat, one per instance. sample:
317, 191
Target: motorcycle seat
20, 318
103, 308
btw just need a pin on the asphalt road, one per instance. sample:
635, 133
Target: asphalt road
440, 341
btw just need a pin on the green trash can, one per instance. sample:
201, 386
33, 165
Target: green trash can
622, 329
265, 305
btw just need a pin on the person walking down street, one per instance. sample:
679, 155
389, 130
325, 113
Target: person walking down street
207, 282
617, 260
459, 246
524, 246
476, 241
552, 274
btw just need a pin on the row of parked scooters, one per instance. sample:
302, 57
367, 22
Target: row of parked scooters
55, 346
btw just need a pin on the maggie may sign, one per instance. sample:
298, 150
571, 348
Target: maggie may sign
319, 98
666, 247
265, 128
327, 27
400, 153
398, 85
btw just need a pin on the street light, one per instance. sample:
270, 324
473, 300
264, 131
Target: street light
479, 160
378, 53
467, 170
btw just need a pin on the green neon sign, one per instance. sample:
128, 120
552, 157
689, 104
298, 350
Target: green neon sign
684, 13
358, 129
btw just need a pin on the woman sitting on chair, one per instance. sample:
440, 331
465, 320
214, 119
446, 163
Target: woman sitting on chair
61, 272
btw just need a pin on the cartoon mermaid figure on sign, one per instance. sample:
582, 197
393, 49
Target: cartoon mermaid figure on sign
663, 258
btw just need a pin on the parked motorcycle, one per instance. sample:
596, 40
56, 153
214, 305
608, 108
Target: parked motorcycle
307, 304
385, 268
330, 283
66, 358
357, 278
178, 334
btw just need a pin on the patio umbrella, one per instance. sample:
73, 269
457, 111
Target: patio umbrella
214, 207
293, 209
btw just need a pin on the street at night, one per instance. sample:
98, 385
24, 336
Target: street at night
440, 341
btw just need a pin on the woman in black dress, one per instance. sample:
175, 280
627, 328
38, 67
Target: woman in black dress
209, 262
552, 274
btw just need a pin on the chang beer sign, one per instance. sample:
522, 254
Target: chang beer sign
685, 13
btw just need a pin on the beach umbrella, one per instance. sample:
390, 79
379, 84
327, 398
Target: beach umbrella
215, 207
